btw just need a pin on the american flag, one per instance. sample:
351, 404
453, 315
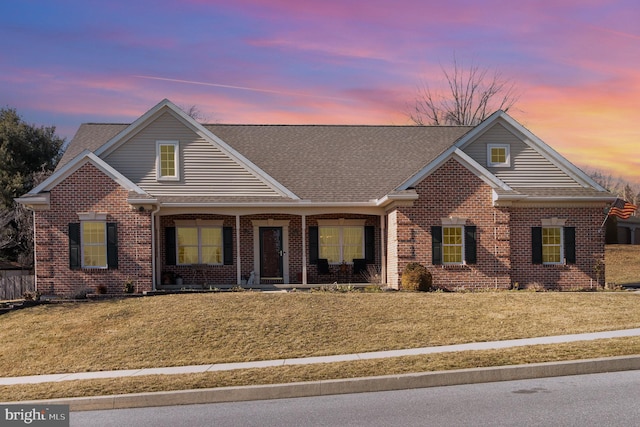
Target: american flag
622, 209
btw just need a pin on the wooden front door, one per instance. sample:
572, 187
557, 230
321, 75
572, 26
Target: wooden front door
271, 253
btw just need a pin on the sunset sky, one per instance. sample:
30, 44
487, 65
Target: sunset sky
576, 63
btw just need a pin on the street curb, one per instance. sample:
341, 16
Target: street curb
344, 386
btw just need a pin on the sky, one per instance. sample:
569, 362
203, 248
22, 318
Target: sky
575, 63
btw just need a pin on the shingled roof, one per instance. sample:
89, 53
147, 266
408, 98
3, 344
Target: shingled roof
328, 163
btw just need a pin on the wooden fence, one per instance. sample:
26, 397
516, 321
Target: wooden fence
13, 287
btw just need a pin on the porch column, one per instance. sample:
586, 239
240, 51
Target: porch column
383, 250
238, 257
304, 253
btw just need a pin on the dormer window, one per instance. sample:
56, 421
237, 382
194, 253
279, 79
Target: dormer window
498, 155
167, 160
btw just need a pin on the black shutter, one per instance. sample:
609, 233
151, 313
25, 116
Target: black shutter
74, 246
470, 252
536, 245
227, 243
170, 245
570, 245
313, 245
112, 245
436, 245
370, 244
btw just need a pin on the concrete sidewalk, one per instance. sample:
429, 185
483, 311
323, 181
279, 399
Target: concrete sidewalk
177, 370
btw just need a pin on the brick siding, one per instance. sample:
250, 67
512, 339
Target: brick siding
90, 190
503, 237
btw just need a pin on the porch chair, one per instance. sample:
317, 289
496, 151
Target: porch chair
359, 267
323, 268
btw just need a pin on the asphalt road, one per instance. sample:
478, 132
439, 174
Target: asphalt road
610, 399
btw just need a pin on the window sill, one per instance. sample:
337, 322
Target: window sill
559, 265
455, 267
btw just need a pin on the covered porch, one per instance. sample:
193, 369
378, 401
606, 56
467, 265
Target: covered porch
207, 248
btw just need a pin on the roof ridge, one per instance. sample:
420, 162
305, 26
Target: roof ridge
334, 125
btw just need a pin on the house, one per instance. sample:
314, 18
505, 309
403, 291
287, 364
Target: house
490, 206
627, 231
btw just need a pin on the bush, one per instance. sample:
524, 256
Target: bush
416, 277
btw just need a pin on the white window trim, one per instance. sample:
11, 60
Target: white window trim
199, 225
453, 220
92, 217
176, 145
561, 228
341, 223
506, 163
554, 222
459, 226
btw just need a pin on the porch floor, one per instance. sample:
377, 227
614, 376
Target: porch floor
262, 287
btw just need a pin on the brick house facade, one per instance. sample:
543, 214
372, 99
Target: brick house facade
489, 206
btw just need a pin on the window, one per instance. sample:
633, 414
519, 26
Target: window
452, 245
198, 242
94, 244
167, 160
551, 245
341, 243
342, 240
498, 155
199, 245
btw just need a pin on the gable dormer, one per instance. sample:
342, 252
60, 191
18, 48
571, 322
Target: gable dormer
517, 158
167, 153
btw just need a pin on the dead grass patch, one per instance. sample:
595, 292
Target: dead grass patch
178, 330
355, 369
622, 264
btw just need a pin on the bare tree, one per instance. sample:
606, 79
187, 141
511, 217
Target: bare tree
473, 93
195, 113
619, 186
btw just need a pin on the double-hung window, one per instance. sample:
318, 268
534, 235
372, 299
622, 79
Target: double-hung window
93, 242
199, 245
341, 241
167, 160
553, 243
453, 243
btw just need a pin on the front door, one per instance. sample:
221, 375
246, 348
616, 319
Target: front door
271, 253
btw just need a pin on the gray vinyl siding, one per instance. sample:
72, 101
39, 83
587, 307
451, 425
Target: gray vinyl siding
528, 167
204, 168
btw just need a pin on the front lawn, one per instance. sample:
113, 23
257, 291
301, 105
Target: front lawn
622, 264
232, 327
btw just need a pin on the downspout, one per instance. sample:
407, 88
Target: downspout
153, 247
304, 245
238, 256
35, 257
383, 250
